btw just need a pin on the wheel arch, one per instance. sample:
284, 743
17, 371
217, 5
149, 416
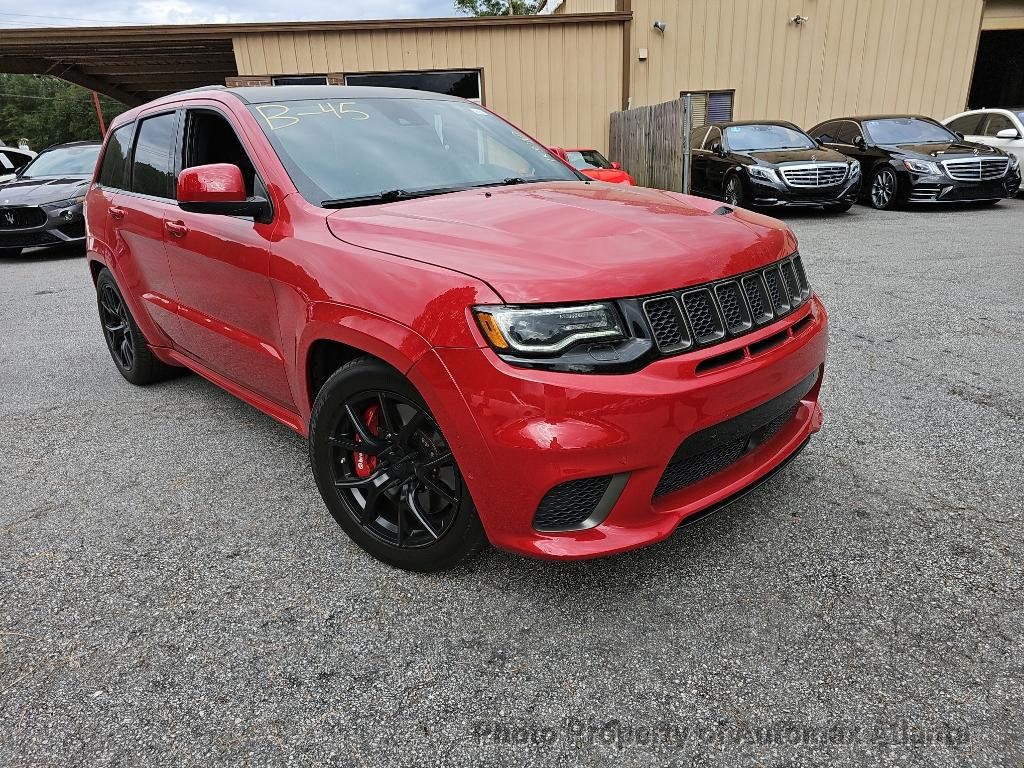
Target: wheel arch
336, 334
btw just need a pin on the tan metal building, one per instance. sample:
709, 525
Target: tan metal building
560, 74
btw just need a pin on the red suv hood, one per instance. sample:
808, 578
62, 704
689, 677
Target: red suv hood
566, 241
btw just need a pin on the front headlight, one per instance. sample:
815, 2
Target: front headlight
547, 330
854, 170
1014, 163
760, 172
922, 166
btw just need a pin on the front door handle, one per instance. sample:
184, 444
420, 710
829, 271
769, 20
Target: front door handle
116, 214
176, 228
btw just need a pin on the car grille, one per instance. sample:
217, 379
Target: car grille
716, 448
569, 504
19, 218
980, 169
709, 314
814, 175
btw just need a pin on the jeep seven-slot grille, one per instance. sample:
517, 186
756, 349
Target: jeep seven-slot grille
713, 313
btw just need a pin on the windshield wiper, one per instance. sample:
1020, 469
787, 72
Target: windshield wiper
388, 196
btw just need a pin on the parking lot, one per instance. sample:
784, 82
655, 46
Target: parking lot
174, 592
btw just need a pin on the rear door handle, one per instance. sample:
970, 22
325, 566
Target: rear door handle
117, 214
176, 228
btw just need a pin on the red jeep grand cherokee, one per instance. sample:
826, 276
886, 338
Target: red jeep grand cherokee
477, 341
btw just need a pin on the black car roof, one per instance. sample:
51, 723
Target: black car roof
733, 123
862, 118
80, 143
264, 93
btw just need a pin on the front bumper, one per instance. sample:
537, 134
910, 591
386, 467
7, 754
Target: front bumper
519, 433
767, 194
930, 188
46, 227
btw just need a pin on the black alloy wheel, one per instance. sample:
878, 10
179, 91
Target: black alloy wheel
128, 348
117, 327
734, 191
884, 189
386, 472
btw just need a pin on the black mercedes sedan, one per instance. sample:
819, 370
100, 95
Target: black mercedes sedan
914, 159
769, 164
42, 206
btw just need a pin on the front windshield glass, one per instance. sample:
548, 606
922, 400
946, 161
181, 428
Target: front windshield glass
754, 138
587, 159
64, 161
340, 150
907, 130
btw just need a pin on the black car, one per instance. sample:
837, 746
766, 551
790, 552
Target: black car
766, 164
914, 159
42, 206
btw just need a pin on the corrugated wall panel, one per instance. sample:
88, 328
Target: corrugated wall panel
849, 57
559, 82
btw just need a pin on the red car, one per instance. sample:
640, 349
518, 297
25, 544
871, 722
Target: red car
592, 163
479, 344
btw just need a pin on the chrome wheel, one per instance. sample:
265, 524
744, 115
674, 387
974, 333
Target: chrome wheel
883, 188
393, 470
117, 328
734, 191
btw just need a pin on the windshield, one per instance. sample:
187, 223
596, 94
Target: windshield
754, 138
587, 159
78, 160
358, 150
907, 130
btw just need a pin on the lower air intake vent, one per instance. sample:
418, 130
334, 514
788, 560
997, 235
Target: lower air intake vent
569, 505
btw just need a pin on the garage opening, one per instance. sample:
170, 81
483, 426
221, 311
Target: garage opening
999, 71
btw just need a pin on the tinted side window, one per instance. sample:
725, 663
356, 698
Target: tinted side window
209, 138
997, 123
846, 132
826, 132
968, 125
153, 167
715, 134
114, 167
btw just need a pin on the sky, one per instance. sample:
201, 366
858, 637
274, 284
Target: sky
84, 13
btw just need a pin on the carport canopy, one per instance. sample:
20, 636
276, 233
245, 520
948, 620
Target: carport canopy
130, 64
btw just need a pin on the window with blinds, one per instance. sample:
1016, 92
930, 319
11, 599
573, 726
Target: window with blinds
711, 106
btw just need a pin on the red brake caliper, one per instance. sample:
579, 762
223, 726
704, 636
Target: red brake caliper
365, 463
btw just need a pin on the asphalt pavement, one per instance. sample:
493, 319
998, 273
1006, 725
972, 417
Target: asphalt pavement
173, 592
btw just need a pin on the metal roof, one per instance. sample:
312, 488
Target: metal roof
139, 63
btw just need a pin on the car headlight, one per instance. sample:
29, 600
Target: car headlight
854, 170
1014, 163
922, 166
547, 330
760, 172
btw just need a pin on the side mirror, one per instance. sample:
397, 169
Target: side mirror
959, 135
858, 141
559, 153
616, 165
218, 189
718, 149
1008, 133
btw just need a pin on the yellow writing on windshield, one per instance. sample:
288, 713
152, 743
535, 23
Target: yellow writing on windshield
278, 116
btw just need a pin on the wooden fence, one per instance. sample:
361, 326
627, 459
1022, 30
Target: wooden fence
648, 141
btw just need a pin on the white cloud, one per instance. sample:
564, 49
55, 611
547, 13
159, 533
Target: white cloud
88, 12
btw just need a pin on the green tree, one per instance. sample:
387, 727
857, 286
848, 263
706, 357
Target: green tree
497, 7
47, 110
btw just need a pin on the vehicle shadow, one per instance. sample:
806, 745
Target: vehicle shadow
44, 254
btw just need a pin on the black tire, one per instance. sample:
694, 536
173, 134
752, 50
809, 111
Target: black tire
733, 193
402, 497
128, 348
837, 207
884, 191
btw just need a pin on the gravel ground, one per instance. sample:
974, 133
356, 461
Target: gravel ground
173, 592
